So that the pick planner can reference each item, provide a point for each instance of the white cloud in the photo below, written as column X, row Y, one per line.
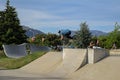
column 2, row 7
column 37, row 19
column 101, row 23
column 66, row 14
column 31, row 15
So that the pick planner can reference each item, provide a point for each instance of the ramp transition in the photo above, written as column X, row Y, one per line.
column 58, row 64
column 73, row 59
column 44, row 64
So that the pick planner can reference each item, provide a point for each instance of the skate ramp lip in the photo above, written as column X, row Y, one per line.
column 15, row 51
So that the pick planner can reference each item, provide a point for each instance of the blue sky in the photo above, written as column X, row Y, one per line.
column 52, row 15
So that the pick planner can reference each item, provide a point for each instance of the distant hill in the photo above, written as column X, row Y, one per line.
column 93, row 32
column 31, row 32
column 98, row 33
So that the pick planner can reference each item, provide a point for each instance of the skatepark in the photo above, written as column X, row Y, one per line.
column 70, row 64
column 59, row 40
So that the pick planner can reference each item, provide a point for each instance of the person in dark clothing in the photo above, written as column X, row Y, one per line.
column 65, row 33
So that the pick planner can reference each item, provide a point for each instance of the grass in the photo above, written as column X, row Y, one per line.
column 2, row 54
column 10, row 63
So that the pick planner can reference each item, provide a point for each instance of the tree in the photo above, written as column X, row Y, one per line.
column 10, row 30
column 114, row 37
column 47, row 40
column 103, row 40
column 117, row 27
column 1, row 27
column 38, row 39
column 83, row 36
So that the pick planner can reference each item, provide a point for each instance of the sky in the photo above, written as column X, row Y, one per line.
column 53, row 15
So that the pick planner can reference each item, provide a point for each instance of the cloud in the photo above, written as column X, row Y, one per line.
column 39, row 19
column 2, row 6
column 56, row 14
column 29, row 14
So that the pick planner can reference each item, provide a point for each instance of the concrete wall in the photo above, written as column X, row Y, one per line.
column 115, row 52
column 95, row 55
column 78, row 56
column 92, row 55
column 15, row 51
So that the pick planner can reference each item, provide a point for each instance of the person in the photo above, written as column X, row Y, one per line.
column 65, row 33
column 114, row 46
column 91, row 44
column 33, row 39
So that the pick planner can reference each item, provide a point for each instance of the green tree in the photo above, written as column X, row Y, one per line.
column 47, row 40
column 83, row 36
column 38, row 39
column 102, row 41
column 52, row 40
column 10, row 30
column 114, row 37
column 1, row 27
column 111, row 38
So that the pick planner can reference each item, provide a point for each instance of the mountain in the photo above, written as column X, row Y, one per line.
column 31, row 32
column 93, row 32
column 97, row 33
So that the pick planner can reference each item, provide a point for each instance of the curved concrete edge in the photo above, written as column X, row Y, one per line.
column 76, row 56
column 72, row 60
column 15, row 51
column 85, row 60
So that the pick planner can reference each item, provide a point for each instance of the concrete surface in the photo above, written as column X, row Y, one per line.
column 73, row 59
column 15, row 51
column 97, row 54
column 107, row 69
column 115, row 52
column 21, row 75
column 44, row 64
column 52, row 67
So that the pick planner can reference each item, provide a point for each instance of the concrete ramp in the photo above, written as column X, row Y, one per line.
column 106, row 69
column 44, row 64
column 73, row 59
column 15, row 51
column 58, row 64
